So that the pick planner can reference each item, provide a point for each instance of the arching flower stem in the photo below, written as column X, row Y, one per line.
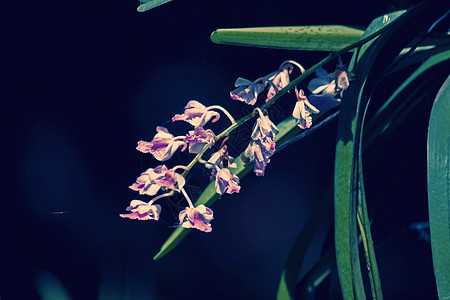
column 180, row 167
column 180, row 137
column 161, row 196
column 257, row 109
column 294, row 63
column 224, row 111
column 187, row 198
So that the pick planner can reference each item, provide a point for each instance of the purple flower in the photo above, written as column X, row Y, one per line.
column 217, row 159
column 226, row 181
column 198, row 138
column 326, row 93
column 262, row 145
column 303, row 110
column 196, row 114
column 260, row 150
column 279, row 80
column 163, row 145
column 198, row 218
column 342, row 81
column 152, row 180
column 141, row 210
column 264, row 128
column 248, row 91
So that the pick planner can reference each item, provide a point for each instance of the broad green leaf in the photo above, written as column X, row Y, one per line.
column 439, row 188
column 147, row 5
column 316, row 38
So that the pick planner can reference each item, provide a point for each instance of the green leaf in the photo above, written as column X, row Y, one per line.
column 346, row 243
column 147, row 5
column 316, row 38
column 439, row 188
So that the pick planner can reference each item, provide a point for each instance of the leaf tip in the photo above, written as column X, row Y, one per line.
column 214, row 37
column 158, row 256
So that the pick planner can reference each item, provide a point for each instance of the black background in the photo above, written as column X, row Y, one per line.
column 86, row 80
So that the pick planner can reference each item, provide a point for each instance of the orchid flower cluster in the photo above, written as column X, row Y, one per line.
column 326, row 91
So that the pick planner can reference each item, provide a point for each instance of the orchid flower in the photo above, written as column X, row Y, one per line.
column 226, row 181
column 248, row 91
column 262, row 145
column 260, row 150
column 152, row 180
column 303, row 109
column 163, row 145
column 217, row 159
column 279, row 80
column 198, row 218
column 196, row 114
column 263, row 127
column 326, row 94
column 198, row 138
column 141, row 210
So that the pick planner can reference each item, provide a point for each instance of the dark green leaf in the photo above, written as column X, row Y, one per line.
column 349, row 184
column 439, row 188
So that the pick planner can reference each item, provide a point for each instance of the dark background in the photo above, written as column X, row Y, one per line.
column 86, row 80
